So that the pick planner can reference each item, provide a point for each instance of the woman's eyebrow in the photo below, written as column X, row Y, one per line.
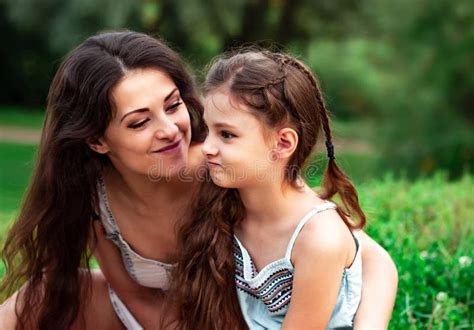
column 170, row 94
column 134, row 111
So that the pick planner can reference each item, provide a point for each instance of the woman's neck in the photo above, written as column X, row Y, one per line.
column 146, row 194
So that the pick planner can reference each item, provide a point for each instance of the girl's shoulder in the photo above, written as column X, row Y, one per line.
column 325, row 233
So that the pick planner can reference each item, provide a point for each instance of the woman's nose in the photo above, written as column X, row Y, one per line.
column 166, row 130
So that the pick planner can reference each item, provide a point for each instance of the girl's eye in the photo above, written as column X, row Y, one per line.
column 227, row 134
column 174, row 106
column 139, row 124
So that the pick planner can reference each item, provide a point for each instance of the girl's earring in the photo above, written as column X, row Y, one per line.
column 273, row 155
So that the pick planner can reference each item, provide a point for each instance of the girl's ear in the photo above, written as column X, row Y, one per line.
column 98, row 145
column 287, row 141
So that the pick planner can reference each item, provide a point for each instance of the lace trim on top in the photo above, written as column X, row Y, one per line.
column 145, row 271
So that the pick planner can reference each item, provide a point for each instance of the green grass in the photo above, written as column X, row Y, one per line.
column 21, row 117
column 16, row 163
column 428, row 228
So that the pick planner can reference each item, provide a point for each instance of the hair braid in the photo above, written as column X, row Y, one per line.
column 334, row 180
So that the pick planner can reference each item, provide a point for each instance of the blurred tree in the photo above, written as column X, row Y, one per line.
column 63, row 24
column 38, row 41
column 24, row 70
column 428, row 121
column 408, row 67
column 405, row 64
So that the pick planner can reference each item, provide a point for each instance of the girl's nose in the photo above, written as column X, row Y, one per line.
column 208, row 148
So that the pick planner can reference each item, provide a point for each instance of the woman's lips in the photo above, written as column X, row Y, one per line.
column 170, row 148
column 213, row 165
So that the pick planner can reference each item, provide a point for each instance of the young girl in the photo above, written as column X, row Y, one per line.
column 297, row 259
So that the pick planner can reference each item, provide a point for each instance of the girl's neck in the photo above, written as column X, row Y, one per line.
column 271, row 200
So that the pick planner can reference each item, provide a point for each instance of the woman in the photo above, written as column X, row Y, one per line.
column 120, row 142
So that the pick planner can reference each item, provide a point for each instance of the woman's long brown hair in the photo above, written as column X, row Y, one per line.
column 47, row 244
column 278, row 89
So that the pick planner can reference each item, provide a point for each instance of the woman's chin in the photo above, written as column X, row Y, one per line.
column 167, row 171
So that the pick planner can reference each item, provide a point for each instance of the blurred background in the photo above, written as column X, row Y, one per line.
column 397, row 76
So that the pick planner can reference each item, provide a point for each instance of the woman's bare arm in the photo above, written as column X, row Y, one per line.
column 8, row 318
column 96, row 309
column 379, row 286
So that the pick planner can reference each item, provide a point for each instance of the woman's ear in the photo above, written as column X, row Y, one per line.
column 287, row 141
column 98, row 145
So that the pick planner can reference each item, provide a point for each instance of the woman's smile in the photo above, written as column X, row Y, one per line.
column 170, row 149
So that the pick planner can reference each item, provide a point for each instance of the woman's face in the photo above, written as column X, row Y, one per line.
column 238, row 155
column 150, row 132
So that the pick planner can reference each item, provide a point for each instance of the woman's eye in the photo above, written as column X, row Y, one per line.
column 227, row 134
column 174, row 106
column 139, row 124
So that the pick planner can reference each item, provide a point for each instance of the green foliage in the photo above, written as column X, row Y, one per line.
column 354, row 75
column 69, row 22
column 416, row 130
column 2, row 271
column 428, row 228
column 37, row 42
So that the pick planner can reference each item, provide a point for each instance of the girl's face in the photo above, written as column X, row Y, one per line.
column 238, row 155
column 151, row 130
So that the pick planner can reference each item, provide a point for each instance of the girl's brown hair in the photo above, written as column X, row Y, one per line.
column 47, row 244
column 203, row 282
column 278, row 89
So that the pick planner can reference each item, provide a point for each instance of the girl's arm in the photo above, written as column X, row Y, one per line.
column 319, row 257
column 144, row 303
column 379, row 286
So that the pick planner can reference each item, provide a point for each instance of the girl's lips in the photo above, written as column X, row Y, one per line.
column 170, row 148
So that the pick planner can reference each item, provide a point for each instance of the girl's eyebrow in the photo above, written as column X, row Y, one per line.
column 224, row 125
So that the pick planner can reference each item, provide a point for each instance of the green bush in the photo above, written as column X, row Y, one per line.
column 419, row 126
